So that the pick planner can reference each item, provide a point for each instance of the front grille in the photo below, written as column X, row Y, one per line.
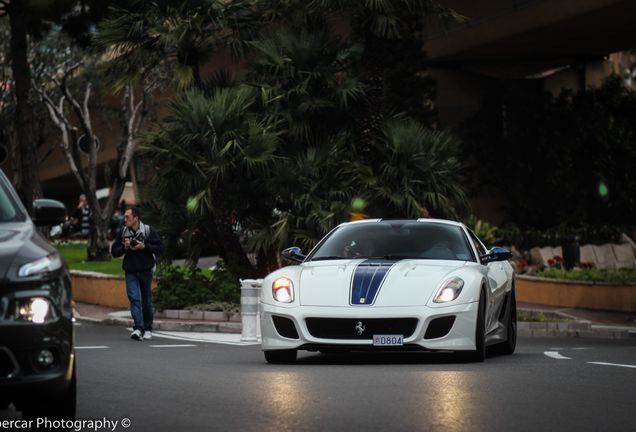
column 359, row 328
column 285, row 327
column 439, row 327
column 8, row 366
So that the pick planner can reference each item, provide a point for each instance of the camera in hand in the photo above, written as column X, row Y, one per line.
column 133, row 242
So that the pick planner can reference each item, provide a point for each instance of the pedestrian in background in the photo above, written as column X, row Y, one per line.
column 140, row 244
column 81, row 219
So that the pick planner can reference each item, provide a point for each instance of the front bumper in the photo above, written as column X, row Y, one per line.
column 460, row 337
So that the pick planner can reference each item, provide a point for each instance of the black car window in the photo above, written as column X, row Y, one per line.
column 481, row 250
column 9, row 210
column 395, row 240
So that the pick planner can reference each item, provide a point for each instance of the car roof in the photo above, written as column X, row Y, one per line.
column 421, row 220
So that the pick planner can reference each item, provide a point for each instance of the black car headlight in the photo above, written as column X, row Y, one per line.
column 38, row 310
column 42, row 265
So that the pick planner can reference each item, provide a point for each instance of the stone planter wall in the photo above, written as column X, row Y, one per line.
column 576, row 294
column 100, row 289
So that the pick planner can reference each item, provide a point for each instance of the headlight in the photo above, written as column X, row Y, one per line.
column 449, row 290
column 37, row 310
column 48, row 263
column 283, row 290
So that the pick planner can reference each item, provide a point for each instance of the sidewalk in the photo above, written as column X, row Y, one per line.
column 574, row 322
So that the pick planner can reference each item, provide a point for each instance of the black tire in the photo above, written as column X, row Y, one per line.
column 4, row 403
column 508, row 347
column 281, row 356
column 479, row 355
column 62, row 408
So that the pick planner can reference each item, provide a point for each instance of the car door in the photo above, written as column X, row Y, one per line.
column 497, row 281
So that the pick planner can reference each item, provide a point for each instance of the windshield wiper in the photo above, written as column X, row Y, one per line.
column 394, row 257
column 331, row 257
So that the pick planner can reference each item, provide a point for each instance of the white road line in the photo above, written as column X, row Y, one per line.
column 556, row 355
column 173, row 346
column 92, row 347
column 614, row 364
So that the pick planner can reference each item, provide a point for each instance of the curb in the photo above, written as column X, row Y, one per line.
column 576, row 329
column 200, row 327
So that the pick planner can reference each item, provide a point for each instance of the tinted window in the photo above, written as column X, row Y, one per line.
column 481, row 250
column 396, row 240
column 9, row 211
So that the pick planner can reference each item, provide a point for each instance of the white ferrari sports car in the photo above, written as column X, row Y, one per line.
column 424, row 284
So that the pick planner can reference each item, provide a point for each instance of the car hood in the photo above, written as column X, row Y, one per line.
column 20, row 243
column 376, row 283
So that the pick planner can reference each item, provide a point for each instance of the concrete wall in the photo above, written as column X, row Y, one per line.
column 573, row 294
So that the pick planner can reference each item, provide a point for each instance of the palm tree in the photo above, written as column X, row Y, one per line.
column 419, row 169
column 211, row 144
column 181, row 36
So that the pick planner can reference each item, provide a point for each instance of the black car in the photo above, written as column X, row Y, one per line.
column 37, row 357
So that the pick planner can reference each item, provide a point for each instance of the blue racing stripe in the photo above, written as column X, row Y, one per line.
column 367, row 280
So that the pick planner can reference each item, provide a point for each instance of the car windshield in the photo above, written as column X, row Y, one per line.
column 9, row 210
column 395, row 240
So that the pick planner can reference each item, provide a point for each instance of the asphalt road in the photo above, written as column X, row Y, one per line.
column 170, row 385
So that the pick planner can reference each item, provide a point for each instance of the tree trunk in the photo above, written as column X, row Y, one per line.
column 232, row 251
column 98, row 245
column 29, row 187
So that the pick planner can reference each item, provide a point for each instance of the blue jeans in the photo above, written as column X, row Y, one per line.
column 139, row 289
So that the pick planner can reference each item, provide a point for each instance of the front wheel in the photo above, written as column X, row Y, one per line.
column 61, row 408
column 280, row 356
column 479, row 355
column 4, row 403
column 508, row 347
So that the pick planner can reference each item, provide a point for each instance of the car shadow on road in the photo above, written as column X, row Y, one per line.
column 388, row 357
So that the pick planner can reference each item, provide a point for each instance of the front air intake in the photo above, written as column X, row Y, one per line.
column 285, row 327
column 439, row 327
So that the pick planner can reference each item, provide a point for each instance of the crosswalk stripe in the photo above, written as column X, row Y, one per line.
column 614, row 364
column 556, row 355
column 173, row 346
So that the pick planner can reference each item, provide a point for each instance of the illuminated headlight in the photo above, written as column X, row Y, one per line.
column 283, row 290
column 449, row 290
column 37, row 310
column 43, row 265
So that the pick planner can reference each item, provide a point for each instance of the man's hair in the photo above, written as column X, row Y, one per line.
column 136, row 211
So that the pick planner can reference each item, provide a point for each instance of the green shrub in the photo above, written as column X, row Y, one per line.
column 228, row 308
column 624, row 276
column 226, row 284
column 585, row 233
column 181, row 287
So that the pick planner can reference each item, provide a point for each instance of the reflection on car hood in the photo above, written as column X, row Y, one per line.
column 372, row 282
column 19, row 243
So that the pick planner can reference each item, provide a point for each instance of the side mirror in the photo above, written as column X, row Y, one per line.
column 496, row 254
column 294, row 253
column 47, row 212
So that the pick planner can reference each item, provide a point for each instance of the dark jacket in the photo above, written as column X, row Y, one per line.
column 136, row 261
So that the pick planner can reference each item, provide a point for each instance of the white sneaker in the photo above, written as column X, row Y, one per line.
column 136, row 335
column 147, row 335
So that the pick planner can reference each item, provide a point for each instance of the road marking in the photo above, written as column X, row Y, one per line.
column 173, row 346
column 92, row 347
column 614, row 364
column 582, row 348
column 556, row 355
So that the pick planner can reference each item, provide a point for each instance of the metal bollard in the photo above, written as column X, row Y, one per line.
column 250, row 294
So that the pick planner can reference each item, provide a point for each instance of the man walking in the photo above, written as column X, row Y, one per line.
column 140, row 245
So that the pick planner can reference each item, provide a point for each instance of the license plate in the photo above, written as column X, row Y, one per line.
column 388, row 340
